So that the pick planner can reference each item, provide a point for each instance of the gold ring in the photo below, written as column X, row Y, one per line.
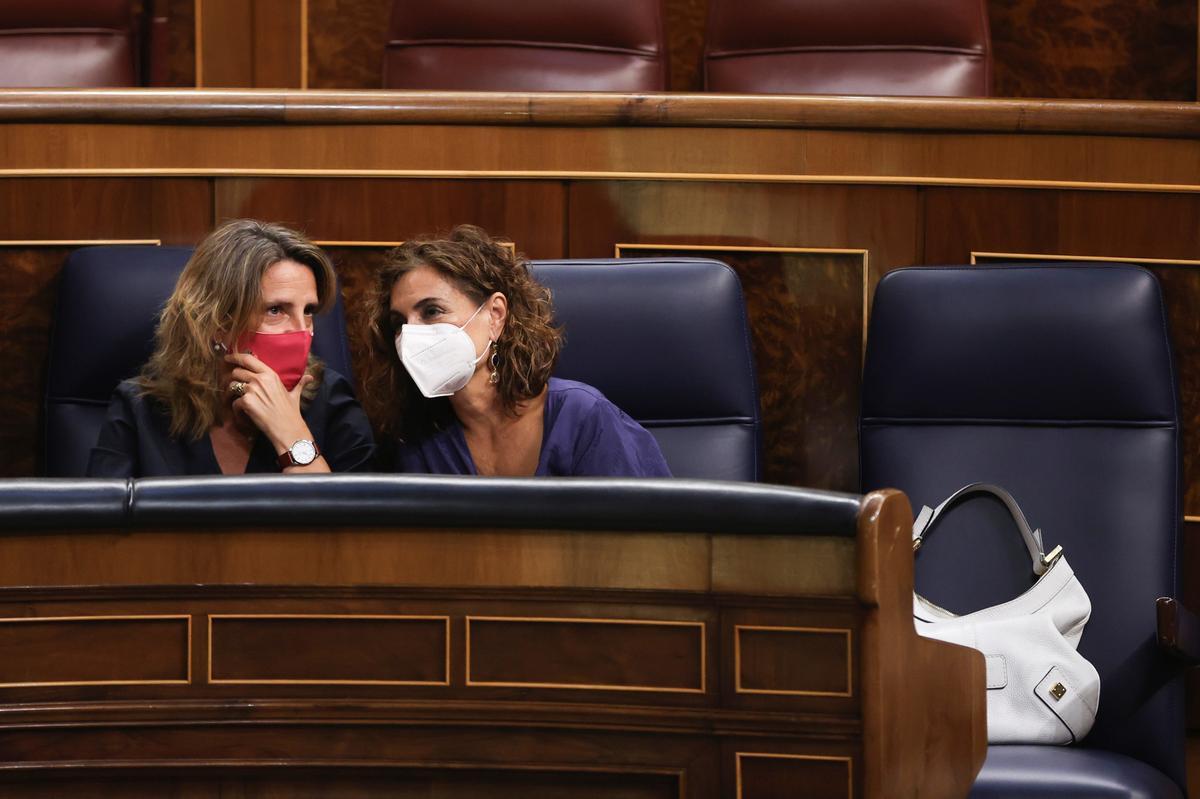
column 238, row 388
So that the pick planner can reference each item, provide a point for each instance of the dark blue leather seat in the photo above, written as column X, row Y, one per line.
column 667, row 340
column 108, row 300
column 1056, row 382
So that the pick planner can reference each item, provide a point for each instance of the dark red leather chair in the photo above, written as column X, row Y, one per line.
column 914, row 47
column 67, row 43
column 531, row 45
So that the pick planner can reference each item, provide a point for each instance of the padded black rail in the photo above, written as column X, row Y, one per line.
column 428, row 501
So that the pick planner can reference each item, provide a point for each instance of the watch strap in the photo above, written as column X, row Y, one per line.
column 286, row 459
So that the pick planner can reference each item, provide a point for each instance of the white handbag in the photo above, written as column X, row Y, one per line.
column 1040, row 690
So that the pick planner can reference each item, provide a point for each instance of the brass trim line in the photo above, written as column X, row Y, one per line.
column 198, row 41
column 357, row 243
column 737, row 660
column 303, row 45
column 76, row 242
column 849, row 761
column 866, row 264
column 1038, row 256
column 292, row 616
column 590, row 687
column 511, row 246
column 714, row 177
column 67, row 683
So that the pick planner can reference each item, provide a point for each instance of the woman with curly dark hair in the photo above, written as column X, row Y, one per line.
column 464, row 344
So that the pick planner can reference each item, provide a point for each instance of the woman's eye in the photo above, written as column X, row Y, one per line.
column 274, row 310
column 431, row 311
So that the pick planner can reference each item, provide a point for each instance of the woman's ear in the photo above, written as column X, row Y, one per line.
column 497, row 314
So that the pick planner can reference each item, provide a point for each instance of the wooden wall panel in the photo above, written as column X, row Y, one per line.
column 806, row 319
column 1113, row 49
column 38, row 213
column 94, row 650
column 181, row 43
column 345, row 43
column 776, row 776
column 685, row 22
column 806, row 308
column 299, row 649
column 592, row 654
column 529, row 212
column 251, row 43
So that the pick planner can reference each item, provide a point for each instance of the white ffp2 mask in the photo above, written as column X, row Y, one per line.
column 440, row 358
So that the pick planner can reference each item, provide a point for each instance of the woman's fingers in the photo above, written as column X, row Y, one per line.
column 247, row 360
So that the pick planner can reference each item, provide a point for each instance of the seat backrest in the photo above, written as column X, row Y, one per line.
column 67, row 43
column 666, row 340
column 1056, row 382
column 880, row 47
column 533, row 45
column 108, row 303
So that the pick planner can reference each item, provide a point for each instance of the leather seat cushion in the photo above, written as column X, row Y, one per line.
column 1033, row 772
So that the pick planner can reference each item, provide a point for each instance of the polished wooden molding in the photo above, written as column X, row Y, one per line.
column 1094, row 117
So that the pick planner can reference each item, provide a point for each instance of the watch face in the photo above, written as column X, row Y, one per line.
column 304, row 452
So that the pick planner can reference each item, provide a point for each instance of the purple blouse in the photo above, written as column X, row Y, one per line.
column 583, row 434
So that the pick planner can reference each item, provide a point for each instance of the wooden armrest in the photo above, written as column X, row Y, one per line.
column 1178, row 630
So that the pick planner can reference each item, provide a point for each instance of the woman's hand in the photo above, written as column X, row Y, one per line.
column 272, row 408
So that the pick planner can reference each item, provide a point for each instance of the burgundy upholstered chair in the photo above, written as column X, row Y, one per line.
column 881, row 47
column 67, row 43
column 531, row 45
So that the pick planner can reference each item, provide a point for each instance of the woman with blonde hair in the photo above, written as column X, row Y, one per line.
column 231, row 387
column 464, row 344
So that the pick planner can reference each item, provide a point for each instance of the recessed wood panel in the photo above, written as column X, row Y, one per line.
column 598, row 654
column 798, row 661
column 391, row 650
column 346, row 42
column 175, row 210
column 180, row 69
column 787, row 776
column 806, row 318
column 529, row 212
column 1131, row 49
column 94, row 650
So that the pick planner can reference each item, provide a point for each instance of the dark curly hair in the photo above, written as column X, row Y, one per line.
column 478, row 266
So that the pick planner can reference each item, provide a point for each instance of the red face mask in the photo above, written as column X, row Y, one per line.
column 286, row 353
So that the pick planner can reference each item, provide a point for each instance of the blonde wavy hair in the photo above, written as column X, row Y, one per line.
column 219, row 296
column 478, row 266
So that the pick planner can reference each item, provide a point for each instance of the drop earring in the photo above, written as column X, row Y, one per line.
column 494, row 377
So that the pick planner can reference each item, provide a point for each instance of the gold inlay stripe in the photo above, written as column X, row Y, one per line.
column 567, row 174
column 849, row 761
column 737, row 659
column 445, row 681
column 65, row 683
column 1037, row 256
column 510, row 246
column 76, row 242
column 589, row 687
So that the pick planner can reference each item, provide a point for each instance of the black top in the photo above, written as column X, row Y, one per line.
column 135, row 441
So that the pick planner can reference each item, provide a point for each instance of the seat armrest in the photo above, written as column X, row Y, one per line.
column 1178, row 630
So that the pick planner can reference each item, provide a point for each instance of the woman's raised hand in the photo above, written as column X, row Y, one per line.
column 261, row 396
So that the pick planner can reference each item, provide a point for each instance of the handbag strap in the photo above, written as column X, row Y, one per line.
column 1033, row 538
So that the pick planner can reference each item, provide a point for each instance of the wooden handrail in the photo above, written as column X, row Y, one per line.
column 1086, row 117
